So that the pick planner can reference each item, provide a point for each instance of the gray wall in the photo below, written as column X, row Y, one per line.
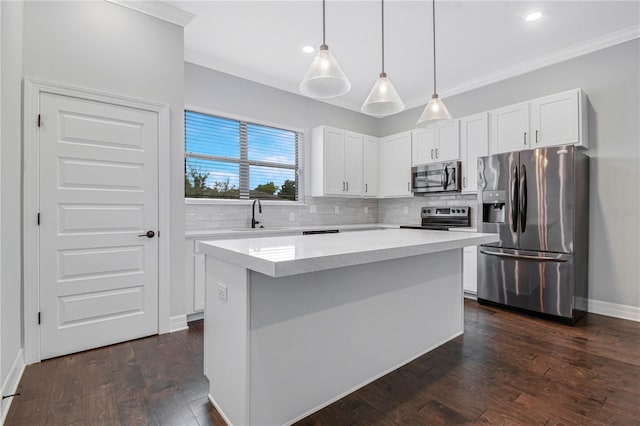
column 215, row 91
column 611, row 79
column 10, row 216
column 103, row 46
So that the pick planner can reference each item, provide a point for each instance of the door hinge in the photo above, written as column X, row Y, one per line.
column 38, row 218
column 38, row 120
column 39, row 317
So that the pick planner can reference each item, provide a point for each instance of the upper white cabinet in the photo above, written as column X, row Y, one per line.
column 474, row 143
column 370, row 167
column 395, row 165
column 438, row 142
column 510, row 128
column 337, row 162
column 558, row 119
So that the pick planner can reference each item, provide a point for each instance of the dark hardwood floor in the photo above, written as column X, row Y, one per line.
column 507, row 369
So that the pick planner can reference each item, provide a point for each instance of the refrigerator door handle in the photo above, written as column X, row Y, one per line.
column 523, row 198
column 514, row 200
column 526, row 257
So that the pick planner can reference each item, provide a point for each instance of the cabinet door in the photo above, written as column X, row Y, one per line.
column 474, row 143
column 423, row 146
column 370, row 167
column 395, row 161
column 334, row 182
column 470, row 269
column 448, row 140
column 555, row 120
column 509, row 128
column 353, row 163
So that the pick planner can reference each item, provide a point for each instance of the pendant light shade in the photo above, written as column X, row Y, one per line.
column 435, row 109
column 383, row 98
column 324, row 77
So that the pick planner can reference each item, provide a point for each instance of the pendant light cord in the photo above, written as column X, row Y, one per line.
column 324, row 42
column 434, row 46
column 382, row 36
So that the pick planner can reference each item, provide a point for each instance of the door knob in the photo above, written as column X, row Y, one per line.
column 149, row 234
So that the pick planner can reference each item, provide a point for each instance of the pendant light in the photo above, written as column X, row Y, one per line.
column 435, row 109
column 383, row 98
column 324, row 77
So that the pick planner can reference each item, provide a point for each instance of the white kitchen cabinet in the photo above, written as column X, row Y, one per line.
column 395, row 165
column 509, row 128
column 559, row 119
column 337, row 162
column 437, row 142
column 370, row 167
column 474, row 143
column 470, row 269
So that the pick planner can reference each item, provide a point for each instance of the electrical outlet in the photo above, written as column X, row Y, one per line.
column 313, row 208
column 336, row 209
column 222, row 292
column 292, row 217
column 366, row 210
column 406, row 209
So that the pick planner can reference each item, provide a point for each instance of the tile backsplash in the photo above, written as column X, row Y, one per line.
column 320, row 211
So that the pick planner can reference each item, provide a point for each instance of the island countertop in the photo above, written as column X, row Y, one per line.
column 292, row 255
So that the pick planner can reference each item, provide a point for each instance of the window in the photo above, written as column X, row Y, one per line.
column 238, row 160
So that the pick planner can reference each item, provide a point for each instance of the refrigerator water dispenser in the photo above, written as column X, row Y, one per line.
column 493, row 206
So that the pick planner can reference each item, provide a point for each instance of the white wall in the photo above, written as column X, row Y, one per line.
column 611, row 79
column 10, row 187
column 103, row 46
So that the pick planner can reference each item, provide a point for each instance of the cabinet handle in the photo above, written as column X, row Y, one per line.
column 524, row 139
column 432, row 153
column 536, row 136
column 343, row 186
column 464, row 182
column 366, row 188
column 347, row 186
column 437, row 153
column 408, row 186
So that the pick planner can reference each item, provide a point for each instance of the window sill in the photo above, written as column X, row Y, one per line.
column 228, row 202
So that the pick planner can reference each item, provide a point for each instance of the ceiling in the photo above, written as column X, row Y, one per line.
column 478, row 42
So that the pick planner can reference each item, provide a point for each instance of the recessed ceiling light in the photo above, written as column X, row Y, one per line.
column 308, row 49
column 534, row 16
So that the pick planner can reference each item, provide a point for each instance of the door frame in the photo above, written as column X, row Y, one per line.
column 33, row 88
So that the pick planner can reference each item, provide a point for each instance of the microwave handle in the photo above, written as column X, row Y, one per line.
column 444, row 178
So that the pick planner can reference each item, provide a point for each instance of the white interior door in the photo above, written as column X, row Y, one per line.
column 98, row 190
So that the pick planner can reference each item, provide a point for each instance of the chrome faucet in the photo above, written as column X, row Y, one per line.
column 254, row 222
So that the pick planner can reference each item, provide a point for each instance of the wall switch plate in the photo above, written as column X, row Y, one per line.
column 292, row 217
column 406, row 209
column 222, row 292
column 336, row 209
column 366, row 210
column 313, row 209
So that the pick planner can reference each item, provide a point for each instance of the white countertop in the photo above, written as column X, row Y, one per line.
column 248, row 232
column 297, row 254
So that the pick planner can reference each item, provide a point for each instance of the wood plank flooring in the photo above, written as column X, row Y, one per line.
column 506, row 369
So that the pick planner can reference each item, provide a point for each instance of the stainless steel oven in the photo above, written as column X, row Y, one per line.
column 437, row 177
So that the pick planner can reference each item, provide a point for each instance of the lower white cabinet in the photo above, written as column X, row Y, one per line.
column 470, row 269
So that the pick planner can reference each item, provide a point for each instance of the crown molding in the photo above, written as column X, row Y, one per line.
column 555, row 57
column 205, row 61
column 159, row 10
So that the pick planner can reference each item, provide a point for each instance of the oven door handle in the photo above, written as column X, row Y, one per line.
column 525, row 257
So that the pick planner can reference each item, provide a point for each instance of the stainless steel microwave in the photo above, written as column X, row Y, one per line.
column 436, row 177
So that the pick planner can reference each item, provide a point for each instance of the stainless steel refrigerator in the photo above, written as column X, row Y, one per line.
column 538, row 202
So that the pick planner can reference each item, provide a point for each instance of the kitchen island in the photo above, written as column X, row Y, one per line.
column 294, row 323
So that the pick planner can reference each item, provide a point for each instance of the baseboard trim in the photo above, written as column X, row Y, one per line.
column 178, row 323
column 470, row 295
column 217, row 407
column 11, row 384
column 615, row 310
column 195, row 316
